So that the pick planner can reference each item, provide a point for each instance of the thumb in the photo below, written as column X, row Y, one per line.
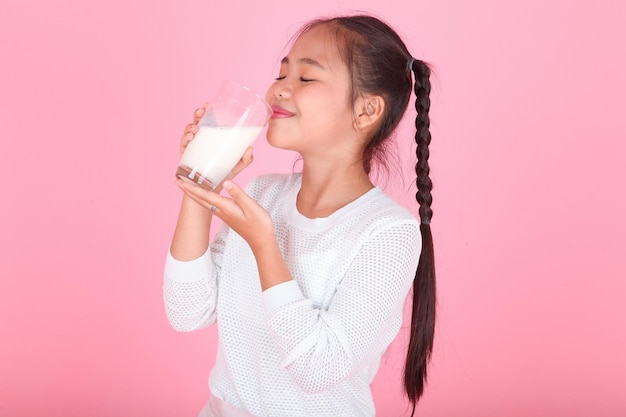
column 244, row 201
column 235, row 191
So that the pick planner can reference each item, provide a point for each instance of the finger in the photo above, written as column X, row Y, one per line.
column 188, row 135
column 191, row 128
column 197, row 200
column 247, row 156
column 224, row 206
column 198, row 194
column 238, row 195
column 245, row 160
column 186, row 138
column 184, row 141
column 199, row 112
column 188, row 193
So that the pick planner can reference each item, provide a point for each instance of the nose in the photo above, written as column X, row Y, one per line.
column 280, row 90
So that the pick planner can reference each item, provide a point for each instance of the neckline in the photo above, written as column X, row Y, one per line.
column 322, row 222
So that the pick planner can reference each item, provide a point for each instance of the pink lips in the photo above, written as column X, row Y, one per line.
column 279, row 113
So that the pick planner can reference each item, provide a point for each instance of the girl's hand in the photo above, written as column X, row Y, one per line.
column 240, row 212
column 191, row 130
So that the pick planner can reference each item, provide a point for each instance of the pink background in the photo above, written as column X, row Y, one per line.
column 528, row 159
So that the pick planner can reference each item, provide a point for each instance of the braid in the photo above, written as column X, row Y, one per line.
column 424, row 287
column 422, row 138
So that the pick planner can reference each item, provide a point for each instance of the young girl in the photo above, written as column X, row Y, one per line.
column 308, row 276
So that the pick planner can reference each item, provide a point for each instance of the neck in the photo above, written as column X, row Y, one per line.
column 328, row 186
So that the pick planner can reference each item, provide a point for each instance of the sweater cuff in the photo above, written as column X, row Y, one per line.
column 280, row 295
column 188, row 271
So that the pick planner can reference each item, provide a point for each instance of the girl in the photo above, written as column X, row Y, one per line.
column 307, row 277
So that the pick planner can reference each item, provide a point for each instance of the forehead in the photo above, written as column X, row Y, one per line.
column 318, row 43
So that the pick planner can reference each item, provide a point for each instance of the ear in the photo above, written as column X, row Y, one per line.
column 368, row 110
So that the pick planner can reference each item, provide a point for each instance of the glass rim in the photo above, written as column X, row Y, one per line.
column 249, row 90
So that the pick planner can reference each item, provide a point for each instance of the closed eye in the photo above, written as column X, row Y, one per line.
column 304, row 80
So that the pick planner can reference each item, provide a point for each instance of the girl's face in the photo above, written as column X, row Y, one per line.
column 311, row 98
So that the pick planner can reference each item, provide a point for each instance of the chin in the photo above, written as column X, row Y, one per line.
column 279, row 140
column 279, row 144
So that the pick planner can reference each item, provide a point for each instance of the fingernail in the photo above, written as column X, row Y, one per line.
column 228, row 185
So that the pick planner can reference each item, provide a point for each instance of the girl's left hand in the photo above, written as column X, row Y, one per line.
column 240, row 212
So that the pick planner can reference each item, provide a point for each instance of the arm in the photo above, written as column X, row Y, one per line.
column 193, row 228
column 190, row 287
column 190, row 282
column 321, row 348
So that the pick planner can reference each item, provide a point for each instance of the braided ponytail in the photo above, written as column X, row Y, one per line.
column 424, row 288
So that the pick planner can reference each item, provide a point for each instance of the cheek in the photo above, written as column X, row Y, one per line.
column 334, row 111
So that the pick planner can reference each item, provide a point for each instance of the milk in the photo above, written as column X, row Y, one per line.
column 214, row 151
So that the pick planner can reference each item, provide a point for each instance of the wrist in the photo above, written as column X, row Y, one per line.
column 271, row 264
column 264, row 247
column 191, row 207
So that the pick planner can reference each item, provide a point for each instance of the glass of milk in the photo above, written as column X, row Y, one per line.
column 231, row 123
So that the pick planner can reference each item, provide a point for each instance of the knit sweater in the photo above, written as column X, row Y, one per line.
column 310, row 346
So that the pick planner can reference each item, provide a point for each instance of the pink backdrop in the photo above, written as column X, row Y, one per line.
column 528, row 159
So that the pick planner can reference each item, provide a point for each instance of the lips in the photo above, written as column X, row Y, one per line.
column 280, row 113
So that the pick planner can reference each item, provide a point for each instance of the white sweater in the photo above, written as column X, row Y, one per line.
column 311, row 346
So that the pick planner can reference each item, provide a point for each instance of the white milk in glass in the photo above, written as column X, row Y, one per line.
column 214, row 151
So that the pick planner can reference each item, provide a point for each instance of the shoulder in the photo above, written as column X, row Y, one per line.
column 376, row 217
column 382, row 210
column 385, row 220
column 391, row 230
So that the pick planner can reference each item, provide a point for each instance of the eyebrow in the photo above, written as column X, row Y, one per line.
column 307, row 61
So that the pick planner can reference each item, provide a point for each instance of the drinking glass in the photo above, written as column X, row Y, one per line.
column 231, row 123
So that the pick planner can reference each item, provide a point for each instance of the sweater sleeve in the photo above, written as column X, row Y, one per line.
column 190, row 288
column 322, row 347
